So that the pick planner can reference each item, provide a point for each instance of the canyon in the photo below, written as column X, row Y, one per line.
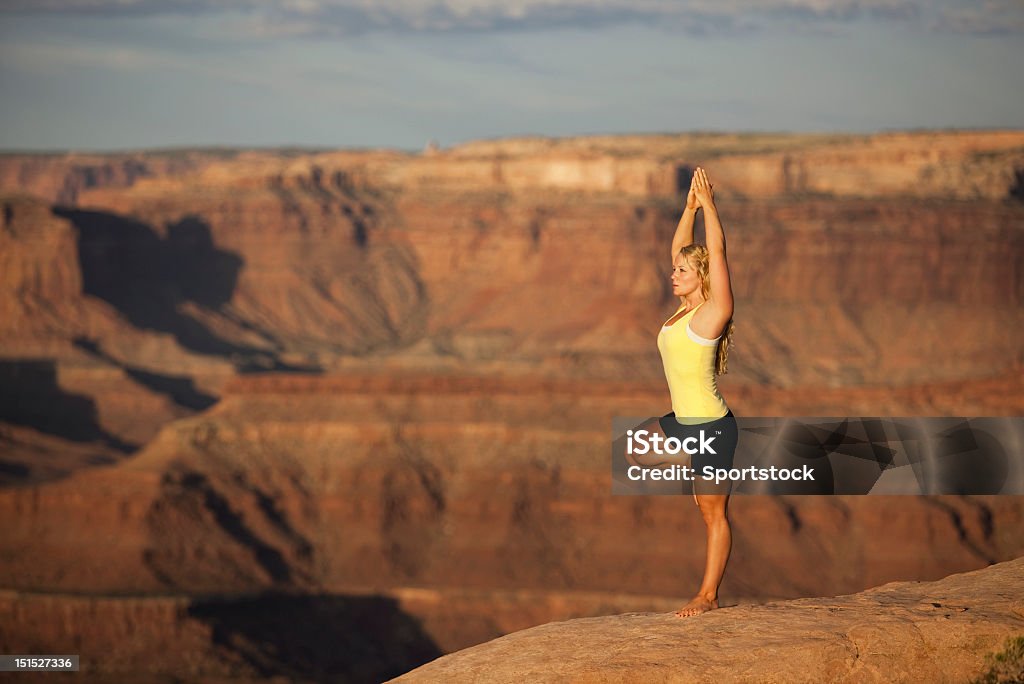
column 380, row 383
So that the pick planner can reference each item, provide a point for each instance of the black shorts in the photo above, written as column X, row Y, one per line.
column 721, row 434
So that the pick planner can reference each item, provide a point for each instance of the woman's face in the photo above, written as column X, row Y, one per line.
column 684, row 277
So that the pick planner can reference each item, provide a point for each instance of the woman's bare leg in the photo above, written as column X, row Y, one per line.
column 714, row 509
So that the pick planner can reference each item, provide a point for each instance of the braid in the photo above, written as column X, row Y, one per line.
column 722, row 360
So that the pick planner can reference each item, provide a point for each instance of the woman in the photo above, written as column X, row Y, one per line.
column 694, row 345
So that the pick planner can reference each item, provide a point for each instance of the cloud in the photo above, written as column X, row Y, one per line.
column 327, row 18
column 110, row 7
column 991, row 17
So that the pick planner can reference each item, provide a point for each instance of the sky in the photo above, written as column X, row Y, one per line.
column 131, row 74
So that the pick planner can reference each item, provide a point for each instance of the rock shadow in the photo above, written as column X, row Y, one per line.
column 241, row 517
column 148, row 278
column 178, row 388
column 30, row 396
column 1017, row 188
column 319, row 637
column 684, row 174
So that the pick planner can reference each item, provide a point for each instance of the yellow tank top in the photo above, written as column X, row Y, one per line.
column 689, row 361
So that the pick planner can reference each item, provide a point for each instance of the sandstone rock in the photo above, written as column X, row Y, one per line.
column 438, row 482
column 901, row 632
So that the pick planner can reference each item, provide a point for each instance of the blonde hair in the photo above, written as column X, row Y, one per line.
column 697, row 256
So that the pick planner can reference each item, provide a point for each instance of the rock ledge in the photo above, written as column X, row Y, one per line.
column 904, row 631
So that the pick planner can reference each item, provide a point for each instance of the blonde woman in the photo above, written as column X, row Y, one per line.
column 694, row 345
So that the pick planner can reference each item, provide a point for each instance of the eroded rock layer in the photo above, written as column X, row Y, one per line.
column 378, row 374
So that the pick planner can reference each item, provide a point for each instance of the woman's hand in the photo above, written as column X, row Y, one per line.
column 703, row 190
column 691, row 197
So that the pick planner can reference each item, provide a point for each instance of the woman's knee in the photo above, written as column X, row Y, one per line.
column 713, row 507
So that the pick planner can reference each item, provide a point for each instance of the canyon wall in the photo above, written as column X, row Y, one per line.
column 390, row 375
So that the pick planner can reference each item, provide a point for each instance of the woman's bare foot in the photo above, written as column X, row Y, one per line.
column 697, row 605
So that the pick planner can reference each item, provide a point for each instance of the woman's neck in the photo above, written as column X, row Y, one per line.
column 689, row 305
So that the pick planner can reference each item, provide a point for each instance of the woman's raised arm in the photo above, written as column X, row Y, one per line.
column 684, row 231
column 718, row 266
